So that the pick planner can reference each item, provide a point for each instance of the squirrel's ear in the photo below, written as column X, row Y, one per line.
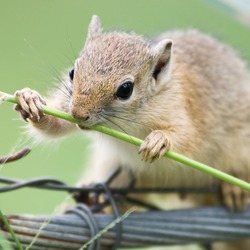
column 95, row 27
column 162, row 52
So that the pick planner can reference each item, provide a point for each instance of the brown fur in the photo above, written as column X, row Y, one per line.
column 199, row 105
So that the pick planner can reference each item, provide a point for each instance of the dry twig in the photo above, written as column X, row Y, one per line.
column 15, row 156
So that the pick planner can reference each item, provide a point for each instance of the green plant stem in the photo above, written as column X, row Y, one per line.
column 119, row 135
column 6, row 223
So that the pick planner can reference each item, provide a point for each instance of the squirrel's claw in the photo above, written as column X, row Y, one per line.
column 155, row 146
column 22, row 112
column 235, row 198
column 30, row 104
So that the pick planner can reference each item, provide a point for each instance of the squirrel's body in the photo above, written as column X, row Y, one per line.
column 206, row 103
column 192, row 97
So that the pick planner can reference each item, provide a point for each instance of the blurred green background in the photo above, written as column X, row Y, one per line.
column 40, row 38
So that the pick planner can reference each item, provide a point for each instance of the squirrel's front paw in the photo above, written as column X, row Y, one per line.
column 156, row 144
column 235, row 198
column 30, row 104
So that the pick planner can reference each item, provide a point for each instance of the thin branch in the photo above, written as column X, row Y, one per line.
column 15, row 156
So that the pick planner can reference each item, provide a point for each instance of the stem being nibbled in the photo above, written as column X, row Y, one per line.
column 136, row 141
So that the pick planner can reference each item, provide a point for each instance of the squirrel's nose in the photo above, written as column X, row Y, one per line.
column 85, row 117
column 79, row 115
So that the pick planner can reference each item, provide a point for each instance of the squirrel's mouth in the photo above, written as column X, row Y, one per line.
column 82, row 127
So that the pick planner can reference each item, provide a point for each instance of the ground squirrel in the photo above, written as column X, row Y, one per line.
column 183, row 91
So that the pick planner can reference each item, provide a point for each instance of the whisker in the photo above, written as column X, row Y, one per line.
column 114, row 110
column 129, row 120
column 71, row 62
column 61, row 83
column 118, row 126
column 56, row 73
column 67, row 89
column 71, row 46
column 64, row 86
column 124, row 131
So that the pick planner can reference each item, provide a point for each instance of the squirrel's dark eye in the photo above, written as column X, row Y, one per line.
column 125, row 90
column 71, row 73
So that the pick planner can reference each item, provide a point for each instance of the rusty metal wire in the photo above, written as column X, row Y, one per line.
column 54, row 184
column 82, row 193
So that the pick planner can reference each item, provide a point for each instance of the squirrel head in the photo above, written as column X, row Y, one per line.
column 115, row 73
